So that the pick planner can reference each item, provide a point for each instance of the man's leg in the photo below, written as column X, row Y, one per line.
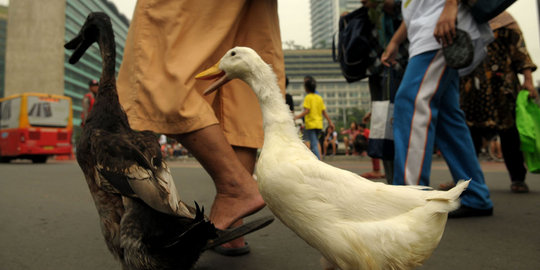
column 415, row 119
column 237, row 194
column 314, row 142
column 455, row 142
column 248, row 157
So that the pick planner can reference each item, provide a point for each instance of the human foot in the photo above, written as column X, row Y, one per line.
column 235, row 202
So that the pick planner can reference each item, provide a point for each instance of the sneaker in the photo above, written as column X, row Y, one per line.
column 465, row 211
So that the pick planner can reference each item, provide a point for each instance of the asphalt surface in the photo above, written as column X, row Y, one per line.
column 48, row 221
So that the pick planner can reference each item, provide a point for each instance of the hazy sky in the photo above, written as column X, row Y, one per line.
column 295, row 22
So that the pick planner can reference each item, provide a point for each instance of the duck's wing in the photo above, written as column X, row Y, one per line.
column 343, row 193
column 131, row 164
column 375, row 200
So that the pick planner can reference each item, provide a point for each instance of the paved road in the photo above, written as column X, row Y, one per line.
column 48, row 221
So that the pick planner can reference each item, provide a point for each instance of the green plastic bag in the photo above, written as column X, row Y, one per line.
column 528, row 125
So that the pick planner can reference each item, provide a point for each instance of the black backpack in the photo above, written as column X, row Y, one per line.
column 357, row 48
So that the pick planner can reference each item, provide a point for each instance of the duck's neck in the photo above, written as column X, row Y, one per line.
column 107, row 97
column 107, row 48
column 276, row 114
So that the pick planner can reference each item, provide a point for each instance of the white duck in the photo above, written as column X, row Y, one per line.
column 355, row 223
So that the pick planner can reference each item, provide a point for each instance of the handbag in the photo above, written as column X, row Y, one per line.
column 485, row 10
column 460, row 53
column 528, row 125
column 356, row 50
column 381, row 134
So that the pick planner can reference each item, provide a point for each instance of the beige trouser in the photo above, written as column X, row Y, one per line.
column 170, row 41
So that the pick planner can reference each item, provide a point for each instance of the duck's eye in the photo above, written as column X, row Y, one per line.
column 233, row 53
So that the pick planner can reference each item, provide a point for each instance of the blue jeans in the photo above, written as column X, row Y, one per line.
column 313, row 138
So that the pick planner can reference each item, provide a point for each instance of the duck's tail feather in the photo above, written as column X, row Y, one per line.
column 449, row 198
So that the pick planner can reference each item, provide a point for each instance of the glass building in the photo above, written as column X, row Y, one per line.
column 76, row 77
column 324, row 19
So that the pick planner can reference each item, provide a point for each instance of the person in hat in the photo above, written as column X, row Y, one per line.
column 88, row 100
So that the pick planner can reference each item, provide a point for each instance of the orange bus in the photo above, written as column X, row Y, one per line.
column 35, row 126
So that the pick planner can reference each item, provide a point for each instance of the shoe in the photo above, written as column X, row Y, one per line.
column 519, row 187
column 233, row 251
column 465, row 211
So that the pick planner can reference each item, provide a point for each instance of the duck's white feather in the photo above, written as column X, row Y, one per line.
column 355, row 223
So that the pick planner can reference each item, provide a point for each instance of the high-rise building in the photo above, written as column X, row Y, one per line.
column 324, row 19
column 36, row 60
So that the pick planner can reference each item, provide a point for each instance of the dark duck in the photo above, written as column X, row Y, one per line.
column 144, row 223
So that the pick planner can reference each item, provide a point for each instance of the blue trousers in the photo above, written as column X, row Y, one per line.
column 427, row 112
column 313, row 138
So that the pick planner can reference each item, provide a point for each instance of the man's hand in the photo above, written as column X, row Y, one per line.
column 388, row 58
column 445, row 30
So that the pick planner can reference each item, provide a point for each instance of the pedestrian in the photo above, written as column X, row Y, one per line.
column 488, row 95
column 427, row 102
column 88, row 100
column 383, row 81
column 314, row 110
column 168, row 43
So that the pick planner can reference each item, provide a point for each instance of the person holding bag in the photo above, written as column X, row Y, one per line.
column 426, row 107
column 488, row 95
column 385, row 16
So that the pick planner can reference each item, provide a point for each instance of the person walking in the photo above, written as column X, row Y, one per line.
column 168, row 43
column 314, row 110
column 488, row 95
column 427, row 102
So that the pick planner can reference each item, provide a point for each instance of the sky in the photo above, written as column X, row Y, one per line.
column 295, row 23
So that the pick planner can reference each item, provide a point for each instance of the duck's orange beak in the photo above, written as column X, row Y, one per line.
column 213, row 73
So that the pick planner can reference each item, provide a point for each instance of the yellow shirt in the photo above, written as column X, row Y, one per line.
column 315, row 104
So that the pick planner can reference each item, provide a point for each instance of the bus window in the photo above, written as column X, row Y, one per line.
column 48, row 112
column 10, row 113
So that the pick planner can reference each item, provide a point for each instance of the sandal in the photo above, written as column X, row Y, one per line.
column 227, row 235
column 519, row 187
